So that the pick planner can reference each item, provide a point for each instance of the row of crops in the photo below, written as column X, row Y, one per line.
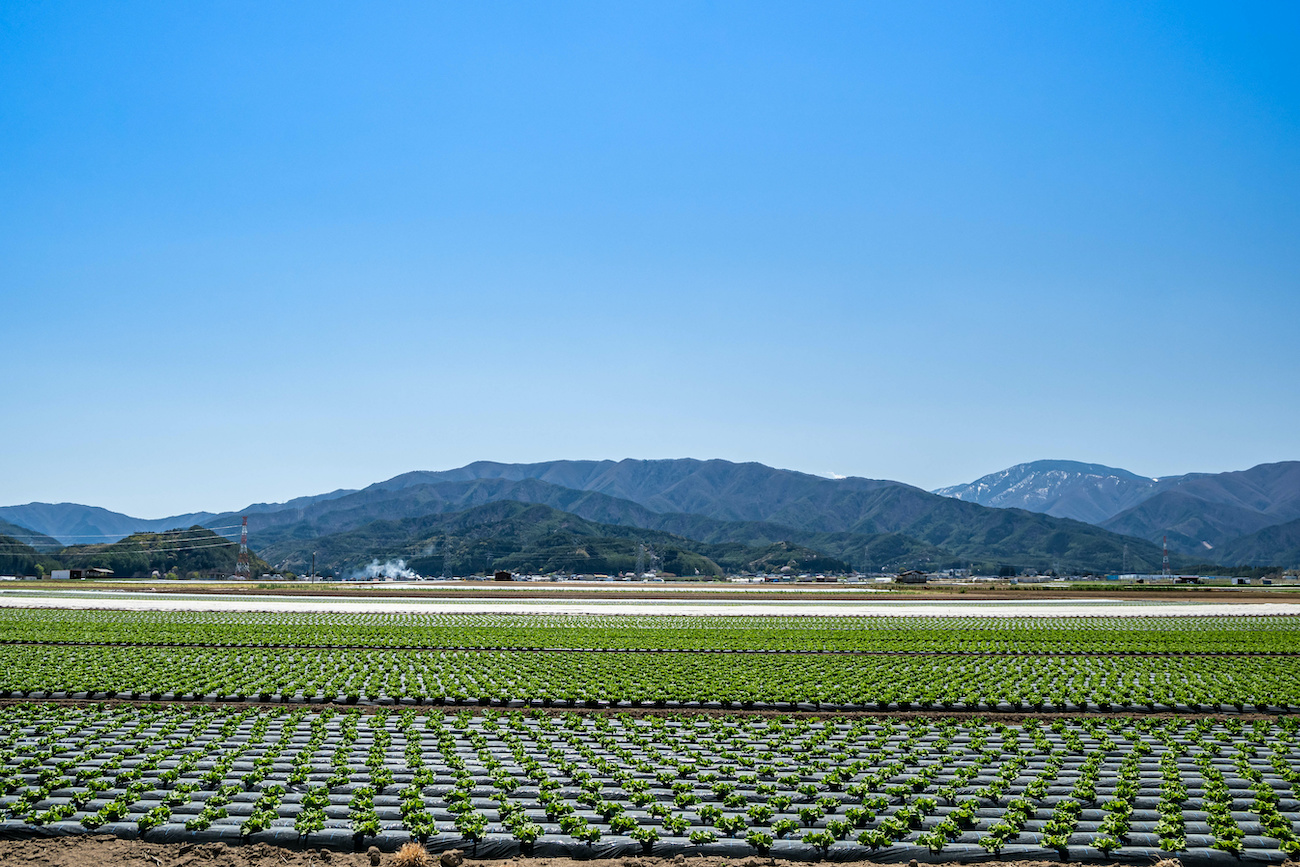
column 509, row 782
column 1181, row 683
column 1227, row 634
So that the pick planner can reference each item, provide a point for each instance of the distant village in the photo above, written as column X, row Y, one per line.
column 787, row 576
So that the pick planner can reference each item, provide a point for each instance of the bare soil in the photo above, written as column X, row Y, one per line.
column 106, row 851
column 1007, row 717
column 664, row 651
column 819, row 592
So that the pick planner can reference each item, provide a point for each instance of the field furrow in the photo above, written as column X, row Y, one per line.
column 510, row 782
column 690, row 680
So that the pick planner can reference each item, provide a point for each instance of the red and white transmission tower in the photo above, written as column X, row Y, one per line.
column 1166, row 560
column 242, row 567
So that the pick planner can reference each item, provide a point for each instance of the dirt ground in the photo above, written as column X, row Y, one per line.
column 819, row 592
column 1007, row 717
column 105, row 851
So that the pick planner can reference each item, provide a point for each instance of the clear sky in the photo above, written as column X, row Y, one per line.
column 250, row 251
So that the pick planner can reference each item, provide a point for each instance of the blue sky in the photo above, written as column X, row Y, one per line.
column 254, row 251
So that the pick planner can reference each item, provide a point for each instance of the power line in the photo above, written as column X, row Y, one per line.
column 118, row 551
column 117, row 536
column 102, row 552
column 177, row 536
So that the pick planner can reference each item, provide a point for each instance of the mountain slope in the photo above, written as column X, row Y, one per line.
column 379, row 503
column 72, row 523
column 716, row 489
column 1200, row 513
column 727, row 491
column 38, row 541
column 524, row 537
column 869, row 523
column 1278, row 545
column 195, row 549
column 1272, row 490
column 856, row 519
column 1193, row 525
column 75, row 524
column 295, row 503
column 1206, row 512
column 1065, row 489
column 865, row 551
column 18, row 558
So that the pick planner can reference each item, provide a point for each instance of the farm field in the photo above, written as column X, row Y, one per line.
column 1061, row 664
column 740, row 602
column 1109, row 737
column 570, row 678
column 912, row 634
column 500, row 783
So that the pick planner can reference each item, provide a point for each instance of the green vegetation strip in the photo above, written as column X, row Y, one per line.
column 1224, row 634
column 653, row 650
column 846, row 789
column 561, row 678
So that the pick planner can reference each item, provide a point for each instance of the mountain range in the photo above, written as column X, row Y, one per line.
column 863, row 523
column 718, row 515
column 36, row 540
column 1229, row 518
column 870, row 524
column 535, row 538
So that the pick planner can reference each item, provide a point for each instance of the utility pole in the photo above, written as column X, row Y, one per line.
column 243, row 568
column 313, row 567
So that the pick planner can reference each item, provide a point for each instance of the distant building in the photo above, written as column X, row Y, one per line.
column 71, row 574
column 912, row 576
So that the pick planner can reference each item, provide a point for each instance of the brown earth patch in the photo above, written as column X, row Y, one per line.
column 828, row 592
column 107, row 851
column 1009, row 717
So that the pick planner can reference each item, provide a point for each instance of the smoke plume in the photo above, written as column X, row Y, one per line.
column 395, row 569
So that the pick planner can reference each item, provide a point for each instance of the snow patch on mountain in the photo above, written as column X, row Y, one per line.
column 1064, row 489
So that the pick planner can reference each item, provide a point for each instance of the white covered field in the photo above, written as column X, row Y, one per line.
column 793, row 604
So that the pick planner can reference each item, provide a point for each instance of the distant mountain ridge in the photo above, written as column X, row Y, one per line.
column 867, row 523
column 1190, row 523
column 1209, row 511
column 1279, row 543
column 192, row 549
column 37, row 541
column 75, row 524
column 1066, row 489
column 72, row 523
column 529, row 537
column 19, row 558
column 275, row 531
column 718, row 489
column 1200, row 513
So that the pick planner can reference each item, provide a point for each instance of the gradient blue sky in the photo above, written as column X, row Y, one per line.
column 254, row 251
